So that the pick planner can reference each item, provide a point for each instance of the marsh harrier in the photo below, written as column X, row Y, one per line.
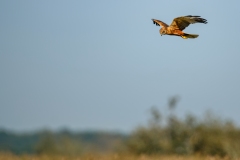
column 178, row 25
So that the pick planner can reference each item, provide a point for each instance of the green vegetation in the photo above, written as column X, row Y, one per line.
column 168, row 135
column 211, row 136
column 62, row 142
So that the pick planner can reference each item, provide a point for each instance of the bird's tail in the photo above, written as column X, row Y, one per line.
column 186, row 36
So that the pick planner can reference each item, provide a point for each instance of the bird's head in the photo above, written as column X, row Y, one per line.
column 163, row 31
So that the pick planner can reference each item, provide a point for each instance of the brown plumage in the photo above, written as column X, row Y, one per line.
column 178, row 25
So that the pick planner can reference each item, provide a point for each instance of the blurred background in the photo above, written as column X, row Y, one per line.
column 89, row 74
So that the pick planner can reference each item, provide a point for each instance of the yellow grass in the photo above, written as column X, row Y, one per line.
column 8, row 156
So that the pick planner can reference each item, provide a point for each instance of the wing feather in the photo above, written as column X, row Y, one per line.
column 183, row 22
column 159, row 23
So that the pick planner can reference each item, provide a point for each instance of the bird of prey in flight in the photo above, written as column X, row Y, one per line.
column 178, row 25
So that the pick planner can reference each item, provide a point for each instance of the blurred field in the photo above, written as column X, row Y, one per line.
column 6, row 156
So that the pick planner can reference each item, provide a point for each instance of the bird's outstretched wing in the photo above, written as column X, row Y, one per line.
column 159, row 23
column 182, row 22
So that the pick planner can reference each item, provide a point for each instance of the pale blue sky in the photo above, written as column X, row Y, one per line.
column 102, row 64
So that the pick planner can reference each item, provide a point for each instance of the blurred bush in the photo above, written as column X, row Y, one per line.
column 210, row 136
column 61, row 144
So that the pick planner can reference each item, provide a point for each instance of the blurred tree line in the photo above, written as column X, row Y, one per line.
column 63, row 142
column 166, row 134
